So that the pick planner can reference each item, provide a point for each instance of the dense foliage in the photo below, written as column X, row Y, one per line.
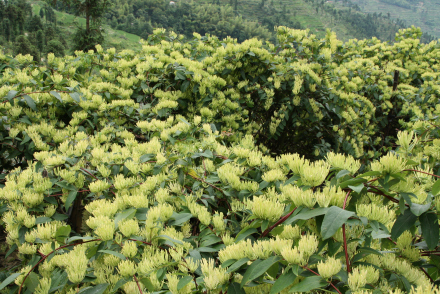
column 157, row 171
column 23, row 32
column 246, row 19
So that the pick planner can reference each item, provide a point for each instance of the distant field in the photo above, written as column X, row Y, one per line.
column 302, row 11
column 113, row 38
column 424, row 14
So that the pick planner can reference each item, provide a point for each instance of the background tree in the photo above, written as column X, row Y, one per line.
column 93, row 11
column 40, row 40
column 55, row 47
column 23, row 46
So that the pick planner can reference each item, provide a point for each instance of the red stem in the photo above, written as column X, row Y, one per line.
column 280, row 221
column 83, row 169
column 429, row 277
column 419, row 171
column 347, row 260
column 199, row 179
column 137, row 282
column 44, row 257
column 312, row 271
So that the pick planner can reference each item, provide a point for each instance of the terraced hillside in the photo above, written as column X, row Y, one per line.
column 67, row 24
column 318, row 15
column 421, row 13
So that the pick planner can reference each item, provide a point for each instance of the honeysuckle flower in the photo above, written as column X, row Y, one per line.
column 266, row 208
column 315, row 173
column 293, row 256
column 389, row 163
column 329, row 268
column 43, row 286
column 127, row 268
column 129, row 227
column 372, row 273
column 375, row 212
column 357, row 279
column 129, row 249
column 341, row 161
column 213, row 276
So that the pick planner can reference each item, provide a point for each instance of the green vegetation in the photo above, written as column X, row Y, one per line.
column 243, row 19
column 35, row 28
column 212, row 166
column 422, row 14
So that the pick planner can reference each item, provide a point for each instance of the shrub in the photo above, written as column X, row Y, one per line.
column 140, row 172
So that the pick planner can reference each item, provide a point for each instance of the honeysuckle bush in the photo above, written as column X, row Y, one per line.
column 152, row 171
column 180, row 212
column 302, row 95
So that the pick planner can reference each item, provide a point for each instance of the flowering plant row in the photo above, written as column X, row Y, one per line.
column 140, row 173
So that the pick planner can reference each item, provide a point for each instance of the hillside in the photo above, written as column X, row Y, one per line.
column 421, row 13
column 32, row 27
column 241, row 19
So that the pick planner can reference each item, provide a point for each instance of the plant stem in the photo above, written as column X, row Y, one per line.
column 44, row 257
column 280, row 221
column 331, row 284
column 347, row 260
column 137, row 282
column 419, row 171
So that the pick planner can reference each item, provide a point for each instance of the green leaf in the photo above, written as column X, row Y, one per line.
column 128, row 213
column 11, row 94
column 179, row 219
column 115, row 169
column 430, row 229
column 70, row 198
column 117, row 254
column 63, row 232
column 141, row 213
column 32, row 282
column 244, row 233
column 95, row 290
column 358, row 188
column 147, row 283
column 364, row 251
column 342, row 173
column 75, row 96
column 30, row 102
column 123, row 281
column 418, row 209
column 59, row 279
column 208, row 249
column 180, row 75
column 66, row 185
column 9, row 280
column 209, row 240
column 236, row 265
column 42, row 220
column 183, row 282
column 56, row 95
column 79, row 238
column 403, row 223
column 309, row 283
column 228, row 262
column 352, row 182
column 234, row 288
column 207, row 153
column 284, row 281
column 307, row 214
column 184, row 121
column 254, row 272
column 145, row 158
column 436, row 188
column 333, row 220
